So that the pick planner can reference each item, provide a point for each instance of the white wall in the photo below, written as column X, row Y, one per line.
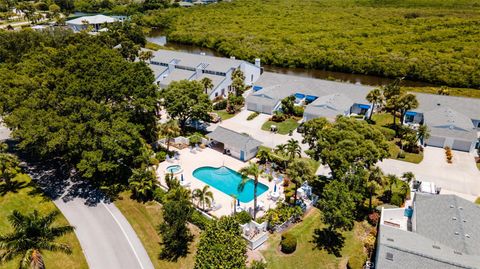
column 251, row 72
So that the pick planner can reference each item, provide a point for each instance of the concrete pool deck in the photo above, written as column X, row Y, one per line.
column 209, row 157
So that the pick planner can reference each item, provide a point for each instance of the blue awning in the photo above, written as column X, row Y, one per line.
column 364, row 106
column 410, row 113
column 311, row 98
column 257, row 88
column 299, row 95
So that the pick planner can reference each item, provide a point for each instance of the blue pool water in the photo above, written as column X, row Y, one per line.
column 227, row 180
column 174, row 168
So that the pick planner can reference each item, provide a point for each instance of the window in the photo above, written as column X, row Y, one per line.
column 251, row 78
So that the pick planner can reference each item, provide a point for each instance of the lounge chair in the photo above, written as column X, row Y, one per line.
column 197, row 148
column 215, row 206
column 168, row 158
column 177, row 156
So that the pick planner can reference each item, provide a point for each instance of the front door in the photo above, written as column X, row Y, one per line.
column 242, row 155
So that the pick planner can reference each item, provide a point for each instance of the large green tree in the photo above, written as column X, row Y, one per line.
column 337, row 206
column 81, row 102
column 185, row 100
column 32, row 235
column 222, row 246
column 176, row 236
column 345, row 145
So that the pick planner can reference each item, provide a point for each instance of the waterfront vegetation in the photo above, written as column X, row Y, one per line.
column 416, row 39
column 25, row 199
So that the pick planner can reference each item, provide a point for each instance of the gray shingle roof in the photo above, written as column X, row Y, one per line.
column 443, row 216
column 176, row 75
column 218, row 64
column 330, row 106
column 278, row 86
column 234, row 139
column 96, row 19
column 467, row 106
column 433, row 243
column 446, row 122
column 157, row 69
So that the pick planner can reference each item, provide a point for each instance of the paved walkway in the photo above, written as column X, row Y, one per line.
column 4, row 132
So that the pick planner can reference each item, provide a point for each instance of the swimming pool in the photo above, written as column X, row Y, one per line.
column 174, row 169
column 227, row 180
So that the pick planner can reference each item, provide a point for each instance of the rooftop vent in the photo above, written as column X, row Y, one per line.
column 438, row 104
column 390, row 239
column 457, row 233
column 457, row 252
column 436, row 247
column 389, row 256
column 451, row 206
column 461, row 208
column 467, row 235
column 454, row 218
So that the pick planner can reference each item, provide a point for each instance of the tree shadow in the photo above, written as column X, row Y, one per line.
column 13, row 187
column 329, row 240
column 173, row 254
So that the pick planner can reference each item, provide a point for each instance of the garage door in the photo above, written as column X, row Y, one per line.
column 462, row 145
column 436, row 141
column 252, row 106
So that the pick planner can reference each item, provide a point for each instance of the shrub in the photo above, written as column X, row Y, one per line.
column 387, row 132
column 373, row 218
column 258, row 265
column 288, row 244
column 243, row 217
column 252, row 116
column 158, row 194
column 199, row 220
column 195, row 139
column 356, row 261
column 396, row 199
column 278, row 117
column 401, row 155
column 298, row 111
column 161, row 156
column 222, row 104
column 477, row 201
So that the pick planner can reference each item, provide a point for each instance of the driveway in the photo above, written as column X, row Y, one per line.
column 4, row 132
column 239, row 123
column 461, row 177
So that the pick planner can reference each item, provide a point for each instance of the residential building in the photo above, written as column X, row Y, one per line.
column 323, row 98
column 96, row 22
column 173, row 66
column 238, row 145
column 453, row 121
column 438, row 231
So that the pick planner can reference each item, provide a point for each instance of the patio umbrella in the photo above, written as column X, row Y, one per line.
column 238, row 202
column 275, row 188
column 181, row 177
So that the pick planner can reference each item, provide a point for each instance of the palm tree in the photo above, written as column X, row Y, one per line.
column 293, row 149
column 280, row 149
column 264, row 156
column 299, row 171
column 391, row 181
column 168, row 130
column 375, row 179
column 32, row 234
column 408, row 177
column 204, row 196
column 404, row 188
column 375, row 97
column 142, row 184
column 253, row 170
column 423, row 133
column 405, row 103
column 207, row 84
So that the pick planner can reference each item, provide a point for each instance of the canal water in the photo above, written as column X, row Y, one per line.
column 158, row 38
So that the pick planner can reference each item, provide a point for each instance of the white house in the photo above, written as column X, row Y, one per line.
column 176, row 66
column 238, row 145
column 97, row 22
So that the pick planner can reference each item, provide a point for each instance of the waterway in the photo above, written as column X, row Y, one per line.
column 158, row 38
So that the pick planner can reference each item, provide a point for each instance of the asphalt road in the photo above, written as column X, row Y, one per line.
column 106, row 237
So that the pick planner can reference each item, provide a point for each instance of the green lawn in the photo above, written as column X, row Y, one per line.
column 478, row 166
column 145, row 219
column 306, row 256
column 26, row 200
column 283, row 127
column 224, row 114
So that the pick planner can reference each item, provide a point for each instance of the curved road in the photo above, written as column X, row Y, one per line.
column 106, row 237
